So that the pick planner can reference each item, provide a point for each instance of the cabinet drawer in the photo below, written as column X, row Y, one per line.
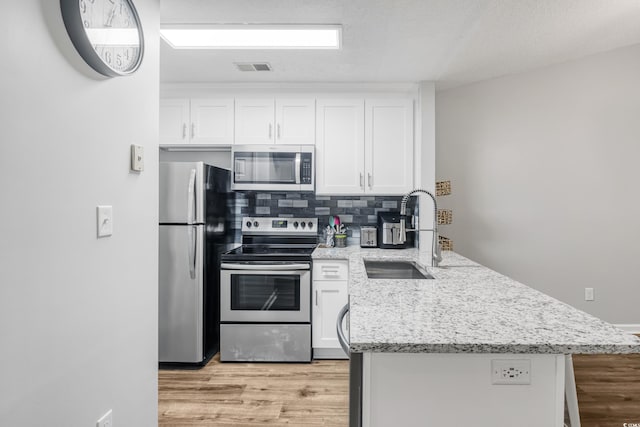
column 331, row 270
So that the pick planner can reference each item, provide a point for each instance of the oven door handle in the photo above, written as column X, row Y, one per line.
column 281, row 267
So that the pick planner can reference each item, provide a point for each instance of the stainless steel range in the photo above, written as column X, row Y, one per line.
column 265, row 292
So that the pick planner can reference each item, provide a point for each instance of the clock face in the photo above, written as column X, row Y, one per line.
column 106, row 33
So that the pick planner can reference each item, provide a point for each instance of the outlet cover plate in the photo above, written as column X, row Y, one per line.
column 589, row 294
column 511, row 371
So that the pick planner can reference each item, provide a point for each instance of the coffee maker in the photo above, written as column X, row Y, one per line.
column 389, row 232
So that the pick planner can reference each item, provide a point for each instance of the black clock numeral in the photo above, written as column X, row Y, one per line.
column 83, row 6
column 107, row 56
column 86, row 24
column 118, row 60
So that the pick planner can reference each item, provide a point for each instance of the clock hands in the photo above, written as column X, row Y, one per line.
column 112, row 14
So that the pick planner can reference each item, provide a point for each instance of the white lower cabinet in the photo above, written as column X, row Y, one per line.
column 330, row 294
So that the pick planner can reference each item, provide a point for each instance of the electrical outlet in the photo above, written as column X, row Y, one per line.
column 106, row 420
column 514, row 371
column 589, row 294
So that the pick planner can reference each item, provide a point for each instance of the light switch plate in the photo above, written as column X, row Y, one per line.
column 137, row 158
column 106, row 420
column 105, row 221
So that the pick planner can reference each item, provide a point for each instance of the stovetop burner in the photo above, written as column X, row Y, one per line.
column 275, row 239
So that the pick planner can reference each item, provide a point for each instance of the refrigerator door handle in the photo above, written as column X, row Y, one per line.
column 191, row 194
column 192, row 241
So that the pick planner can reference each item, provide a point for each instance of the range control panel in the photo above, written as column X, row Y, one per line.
column 279, row 225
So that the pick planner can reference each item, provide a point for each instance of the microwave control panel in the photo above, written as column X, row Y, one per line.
column 306, row 169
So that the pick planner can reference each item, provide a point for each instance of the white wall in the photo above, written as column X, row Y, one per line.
column 544, row 168
column 221, row 159
column 78, row 315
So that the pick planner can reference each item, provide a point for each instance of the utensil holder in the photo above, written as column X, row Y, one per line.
column 328, row 234
column 341, row 240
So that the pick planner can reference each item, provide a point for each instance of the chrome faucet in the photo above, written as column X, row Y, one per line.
column 436, row 256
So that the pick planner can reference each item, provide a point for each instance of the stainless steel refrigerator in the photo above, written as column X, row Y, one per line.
column 195, row 206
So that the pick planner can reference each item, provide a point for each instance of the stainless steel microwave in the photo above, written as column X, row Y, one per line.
column 273, row 167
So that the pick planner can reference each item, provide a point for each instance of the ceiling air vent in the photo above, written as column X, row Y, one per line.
column 258, row 66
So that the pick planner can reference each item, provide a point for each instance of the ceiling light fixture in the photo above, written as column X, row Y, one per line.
column 252, row 36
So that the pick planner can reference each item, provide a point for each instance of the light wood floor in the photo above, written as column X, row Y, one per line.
column 316, row 394
column 256, row 394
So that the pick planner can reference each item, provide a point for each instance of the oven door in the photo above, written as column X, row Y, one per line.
column 265, row 293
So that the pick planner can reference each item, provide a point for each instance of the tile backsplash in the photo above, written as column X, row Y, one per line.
column 353, row 211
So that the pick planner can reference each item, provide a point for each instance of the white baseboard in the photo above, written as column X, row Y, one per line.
column 628, row 327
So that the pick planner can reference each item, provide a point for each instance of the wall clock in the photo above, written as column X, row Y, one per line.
column 106, row 33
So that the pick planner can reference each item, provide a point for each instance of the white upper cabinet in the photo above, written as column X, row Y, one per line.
column 279, row 121
column 389, row 145
column 364, row 146
column 254, row 121
column 174, row 121
column 340, row 146
column 198, row 121
column 212, row 121
column 296, row 121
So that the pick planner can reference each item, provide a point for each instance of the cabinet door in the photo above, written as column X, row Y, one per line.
column 212, row 121
column 174, row 121
column 254, row 121
column 295, row 121
column 389, row 146
column 329, row 297
column 340, row 146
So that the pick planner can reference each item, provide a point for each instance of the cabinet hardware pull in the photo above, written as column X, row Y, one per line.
column 270, row 127
column 278, row 130
column 316, row 298
column 193, row 130
column 361, row 180
column 184, row 130
column 369, row 180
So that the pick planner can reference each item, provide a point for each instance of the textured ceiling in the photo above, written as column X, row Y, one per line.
column 452, row 42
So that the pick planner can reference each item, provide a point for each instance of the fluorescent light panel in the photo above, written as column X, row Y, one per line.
column 198, row 36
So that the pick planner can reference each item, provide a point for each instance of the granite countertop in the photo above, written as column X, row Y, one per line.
column 467, row 308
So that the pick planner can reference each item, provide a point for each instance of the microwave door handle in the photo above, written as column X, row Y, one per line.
column 298, row 162
column 276, row 267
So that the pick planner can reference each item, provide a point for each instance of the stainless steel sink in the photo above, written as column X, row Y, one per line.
column 394, row 270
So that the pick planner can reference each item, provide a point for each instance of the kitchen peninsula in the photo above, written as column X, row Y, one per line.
column 434, row 351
